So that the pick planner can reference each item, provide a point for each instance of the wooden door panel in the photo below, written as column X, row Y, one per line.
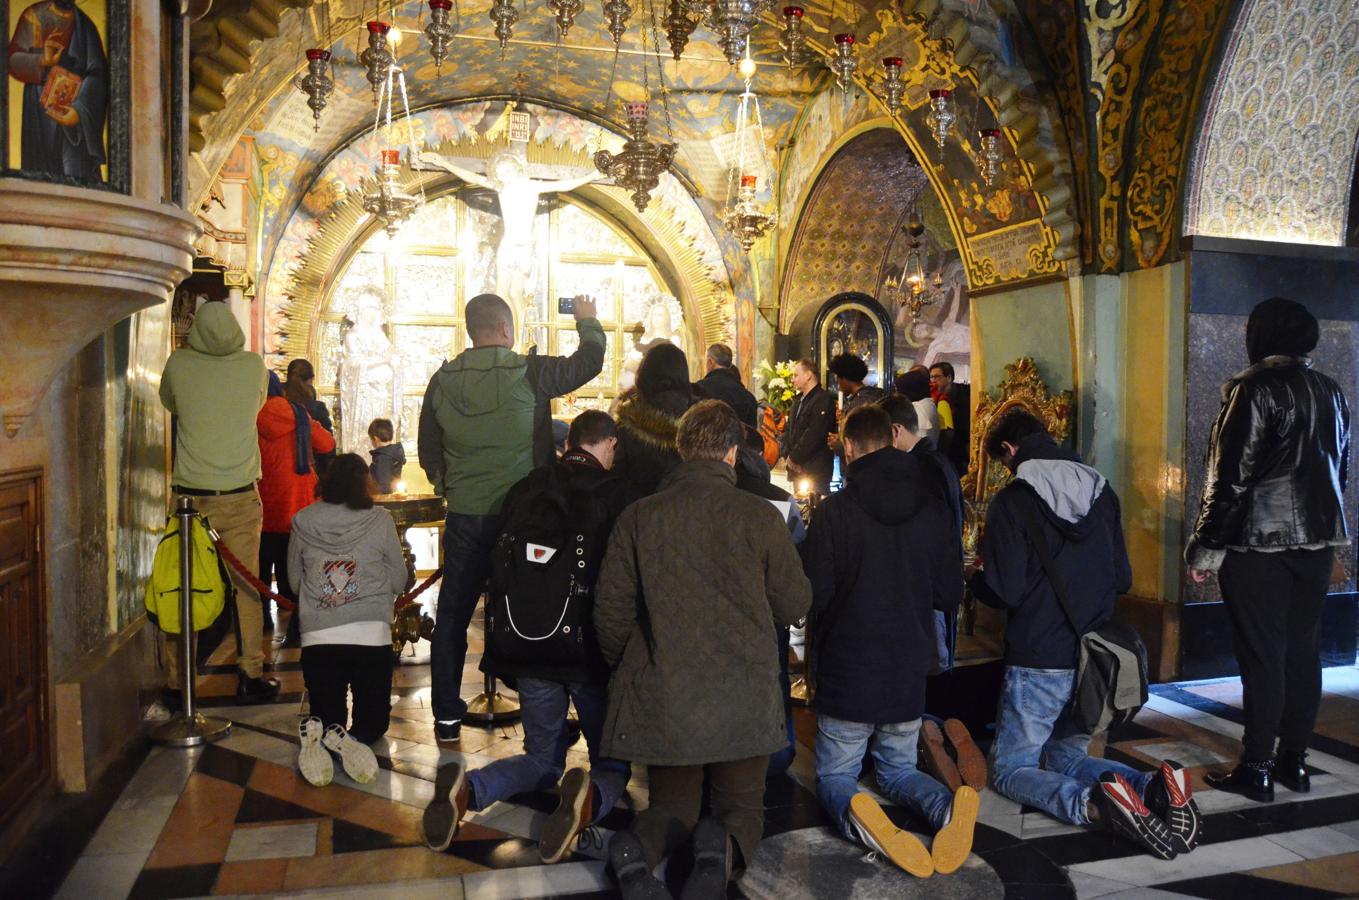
column 24, row 757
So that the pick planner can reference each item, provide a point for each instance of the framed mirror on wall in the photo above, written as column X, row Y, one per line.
column 64, row 92
column 855, row 323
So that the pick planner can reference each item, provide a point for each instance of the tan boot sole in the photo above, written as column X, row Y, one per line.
column 953, row 843
column 902, row 848
column 971, row 763
column 937, row 761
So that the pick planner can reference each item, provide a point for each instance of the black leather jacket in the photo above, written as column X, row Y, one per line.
column 1278, row 460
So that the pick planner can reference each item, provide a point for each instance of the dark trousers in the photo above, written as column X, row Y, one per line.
column 1275, row 601
column 467, row 564
column 274, row 561
column 735, row 795
column 331, row 670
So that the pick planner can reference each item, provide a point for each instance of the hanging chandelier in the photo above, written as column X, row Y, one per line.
column 616, row 14
column 732, row 21
column 989, row 156
column 743, row 215
column 941, row 116
column 504, row 15
column 793, row 40
column 564, row 13
column 844, row 63
column 912, row 289
column 638, row 166
column 892, row 84
column 679, row 25
column 388, row 200
column 316, row 84
column 441, row 30
column 377, row 58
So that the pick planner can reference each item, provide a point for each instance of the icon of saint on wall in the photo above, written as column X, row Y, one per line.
column 57, row 53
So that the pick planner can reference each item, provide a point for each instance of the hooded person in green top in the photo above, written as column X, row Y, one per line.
column 485, row 424
column 214, row 388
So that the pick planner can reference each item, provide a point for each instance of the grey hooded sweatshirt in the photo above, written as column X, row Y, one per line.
column 345, row 565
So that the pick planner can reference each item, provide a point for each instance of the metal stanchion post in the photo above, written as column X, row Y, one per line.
column 488, row 706
column 190, row 728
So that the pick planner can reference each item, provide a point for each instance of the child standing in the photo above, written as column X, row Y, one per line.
column 388, row 458
column 345, row 562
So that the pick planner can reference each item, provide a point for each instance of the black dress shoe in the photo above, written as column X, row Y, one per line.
column 1252, row 780
column 255, row 690
column 1290, row 770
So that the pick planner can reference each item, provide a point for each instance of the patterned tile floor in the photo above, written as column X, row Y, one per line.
column 235, row 818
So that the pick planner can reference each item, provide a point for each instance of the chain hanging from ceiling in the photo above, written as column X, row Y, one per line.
column 638, row 167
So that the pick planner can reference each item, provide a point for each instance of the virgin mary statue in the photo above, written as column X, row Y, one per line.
column 370, row 380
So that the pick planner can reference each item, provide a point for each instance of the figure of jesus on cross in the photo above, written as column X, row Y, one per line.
column 518, row 192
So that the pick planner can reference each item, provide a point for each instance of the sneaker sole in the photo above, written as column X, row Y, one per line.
column 358, row 761
column 1179, row 787
column 971, row 763
column 1124, row 810
column 441, row 817
column 554, row 842
column 953, row 844
column 315, row 764
column 902, row 848
column 937, row 761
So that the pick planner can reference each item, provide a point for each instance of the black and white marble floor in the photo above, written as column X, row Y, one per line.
column 235, row 819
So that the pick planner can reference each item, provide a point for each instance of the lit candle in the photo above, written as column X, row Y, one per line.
column 804, row 487
column 399, row 489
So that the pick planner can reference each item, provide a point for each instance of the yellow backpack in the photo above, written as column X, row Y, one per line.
column 211, row 585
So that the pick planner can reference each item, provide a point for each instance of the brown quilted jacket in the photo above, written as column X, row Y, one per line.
column 694, row 582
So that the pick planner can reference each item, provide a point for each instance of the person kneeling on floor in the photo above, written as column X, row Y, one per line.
column 540, row 634
column 345, row 563
column 880, row 557
column 695, row 582
column 1040, row 756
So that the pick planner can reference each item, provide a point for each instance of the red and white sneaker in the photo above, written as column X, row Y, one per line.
column 1124, row 813
column 1171, row 796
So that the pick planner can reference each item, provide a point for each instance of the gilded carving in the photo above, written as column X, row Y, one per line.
column 1021, row 387
column 1187, row 36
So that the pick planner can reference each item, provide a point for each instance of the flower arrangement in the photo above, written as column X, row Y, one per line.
column 777, row 380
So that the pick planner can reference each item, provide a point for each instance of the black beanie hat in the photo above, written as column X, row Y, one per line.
column 1280, row 327
column 849, row 367
column 664, row 368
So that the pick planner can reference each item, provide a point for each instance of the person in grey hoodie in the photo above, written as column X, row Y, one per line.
column 345, row 563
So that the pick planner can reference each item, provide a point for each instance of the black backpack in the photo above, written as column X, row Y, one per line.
column 543, row 571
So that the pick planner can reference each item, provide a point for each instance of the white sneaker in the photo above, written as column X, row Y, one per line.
column 358, row 760
column 313, row 759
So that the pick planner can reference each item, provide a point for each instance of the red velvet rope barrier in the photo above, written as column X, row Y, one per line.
column 254, row 581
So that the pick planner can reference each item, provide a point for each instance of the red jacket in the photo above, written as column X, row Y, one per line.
column 282, row 491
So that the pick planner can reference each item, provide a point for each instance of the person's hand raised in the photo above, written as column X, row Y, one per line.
column 585, row 308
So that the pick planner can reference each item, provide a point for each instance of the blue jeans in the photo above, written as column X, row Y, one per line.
column 542, row 711
column 840, row 749
column 1039, row 757
column 467, row 564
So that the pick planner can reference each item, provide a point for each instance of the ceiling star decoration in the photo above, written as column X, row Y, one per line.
column 444, row 21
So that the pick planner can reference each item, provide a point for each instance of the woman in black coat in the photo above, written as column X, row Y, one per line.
column 648, row 418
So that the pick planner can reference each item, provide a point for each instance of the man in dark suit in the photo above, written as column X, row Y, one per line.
column 810, row 422
column 723, row 383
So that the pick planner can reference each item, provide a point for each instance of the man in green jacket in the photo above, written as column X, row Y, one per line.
column 485, row 424
column 214, row 388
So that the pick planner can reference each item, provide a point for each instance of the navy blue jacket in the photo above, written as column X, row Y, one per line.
column 1077, row 514
column 881, row 557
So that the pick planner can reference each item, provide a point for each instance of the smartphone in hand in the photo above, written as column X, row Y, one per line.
column 566, row 305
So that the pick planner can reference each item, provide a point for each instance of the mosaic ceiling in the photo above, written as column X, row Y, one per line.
column 1277, row 155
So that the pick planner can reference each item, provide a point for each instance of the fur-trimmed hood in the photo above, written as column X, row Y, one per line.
column 647, row 432
column 651, row 424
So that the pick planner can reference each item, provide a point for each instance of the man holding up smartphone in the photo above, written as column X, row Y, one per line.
column 485, row 424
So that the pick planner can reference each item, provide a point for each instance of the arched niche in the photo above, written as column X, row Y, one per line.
column 855, row 323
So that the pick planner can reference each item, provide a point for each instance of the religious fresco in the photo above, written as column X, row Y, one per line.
column 1276, row 155
column 556, row 136
column 59, row 89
